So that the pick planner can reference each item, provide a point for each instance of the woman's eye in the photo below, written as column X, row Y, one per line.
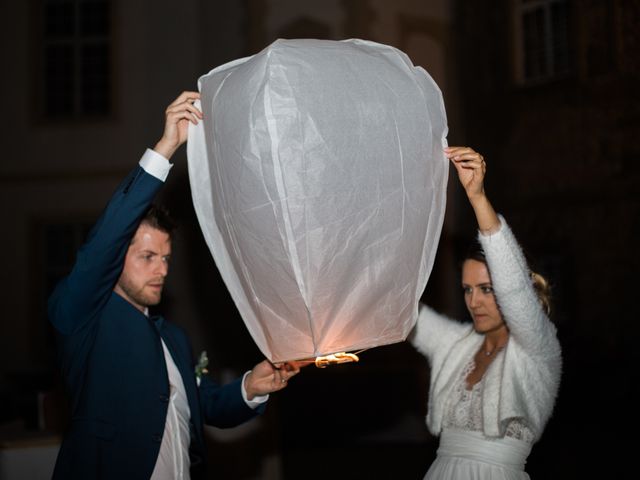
column 467, row 290
column 487, row 289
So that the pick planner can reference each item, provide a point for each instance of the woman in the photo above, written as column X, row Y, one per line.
column 493, row 384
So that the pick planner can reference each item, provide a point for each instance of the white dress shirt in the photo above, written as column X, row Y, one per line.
column 173, row 460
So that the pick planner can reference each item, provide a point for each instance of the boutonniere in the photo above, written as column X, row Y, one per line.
column 201, row 367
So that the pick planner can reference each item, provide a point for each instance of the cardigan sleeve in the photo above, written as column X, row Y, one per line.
column 433, row 330
column 515, row 294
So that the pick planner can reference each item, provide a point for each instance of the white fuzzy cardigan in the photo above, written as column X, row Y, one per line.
column 522, row 382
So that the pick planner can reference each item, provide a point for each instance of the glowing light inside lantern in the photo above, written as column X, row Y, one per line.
column 335, row 359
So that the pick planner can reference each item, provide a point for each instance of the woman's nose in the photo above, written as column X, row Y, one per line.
column 474, row 299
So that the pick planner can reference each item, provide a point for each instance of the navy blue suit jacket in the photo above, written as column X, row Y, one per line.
column 113, row 362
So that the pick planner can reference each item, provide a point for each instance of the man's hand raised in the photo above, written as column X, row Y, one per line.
column 177, row 118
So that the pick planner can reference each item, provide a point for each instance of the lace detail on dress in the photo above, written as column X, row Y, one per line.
column 519, row 430
column 464, row 409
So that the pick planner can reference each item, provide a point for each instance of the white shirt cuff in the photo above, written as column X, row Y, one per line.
column 155, row 164
column 257, row 400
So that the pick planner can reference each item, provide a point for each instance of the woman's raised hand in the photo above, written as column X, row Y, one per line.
column 471, row 168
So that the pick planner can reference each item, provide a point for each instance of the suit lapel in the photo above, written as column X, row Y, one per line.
column 183, row 363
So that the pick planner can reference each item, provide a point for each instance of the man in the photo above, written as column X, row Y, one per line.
column 137, row 408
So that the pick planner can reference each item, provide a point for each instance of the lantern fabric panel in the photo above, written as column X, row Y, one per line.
column 319, row 182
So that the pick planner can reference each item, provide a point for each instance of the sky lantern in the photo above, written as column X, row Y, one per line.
column 319, row 181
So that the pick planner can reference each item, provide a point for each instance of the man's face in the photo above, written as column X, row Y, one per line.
column 145, row 268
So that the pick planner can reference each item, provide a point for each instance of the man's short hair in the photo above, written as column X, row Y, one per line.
column 158, row 217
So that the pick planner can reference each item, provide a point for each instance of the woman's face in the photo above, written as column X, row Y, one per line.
column 479, row 297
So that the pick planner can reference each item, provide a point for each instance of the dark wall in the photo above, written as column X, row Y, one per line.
column 563, row 167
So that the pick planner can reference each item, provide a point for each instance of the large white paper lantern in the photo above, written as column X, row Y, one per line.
column 318, row 178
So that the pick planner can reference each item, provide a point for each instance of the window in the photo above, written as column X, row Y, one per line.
column 74, row 56
column 600, row 52
column 542, row 40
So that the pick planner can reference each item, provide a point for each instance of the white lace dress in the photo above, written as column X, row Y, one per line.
column 465, row 453
column 487, row 432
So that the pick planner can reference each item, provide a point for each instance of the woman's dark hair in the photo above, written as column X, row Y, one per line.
column 475, row 252
column 540, row 284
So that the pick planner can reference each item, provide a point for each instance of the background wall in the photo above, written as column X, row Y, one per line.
column 547, row 90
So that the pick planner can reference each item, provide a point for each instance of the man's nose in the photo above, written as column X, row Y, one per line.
column 162, row 268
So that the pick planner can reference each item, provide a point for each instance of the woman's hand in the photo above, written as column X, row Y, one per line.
column 470, row 167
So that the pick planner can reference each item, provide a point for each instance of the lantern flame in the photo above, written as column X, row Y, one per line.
column 335, row 359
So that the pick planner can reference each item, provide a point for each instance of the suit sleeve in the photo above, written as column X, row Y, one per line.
column 223, row 406
column 78, row 298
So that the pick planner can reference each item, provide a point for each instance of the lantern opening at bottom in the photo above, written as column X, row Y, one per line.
column 335, row 359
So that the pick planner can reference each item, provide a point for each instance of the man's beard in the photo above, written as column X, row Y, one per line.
column 138, row 295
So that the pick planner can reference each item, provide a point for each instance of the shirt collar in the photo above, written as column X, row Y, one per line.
column 157, row 319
